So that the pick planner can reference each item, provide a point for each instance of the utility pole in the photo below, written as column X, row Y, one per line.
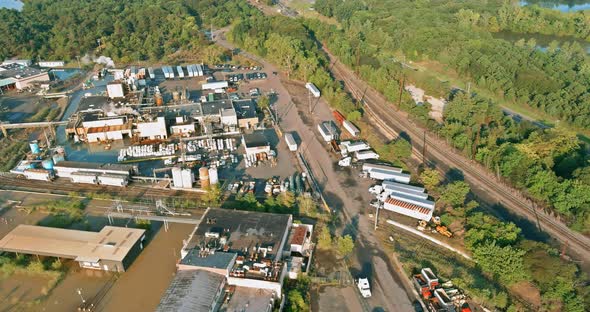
column 424, row 148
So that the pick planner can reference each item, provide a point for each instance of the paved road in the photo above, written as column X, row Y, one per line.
column 439, row 153
column 389, row 286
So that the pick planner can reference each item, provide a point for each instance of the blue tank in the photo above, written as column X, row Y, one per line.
column 34, row 145
column 47, row 164
column 58, row 158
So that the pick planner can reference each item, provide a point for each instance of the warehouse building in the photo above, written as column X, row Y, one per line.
column 153, row 130
column 83, row 172
column 16, row 76
column 111, row 249
column 246, row 112
column 193, row 290
column 255, row 143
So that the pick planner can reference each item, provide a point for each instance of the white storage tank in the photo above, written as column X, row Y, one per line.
column 213, row 176
column 187, row 178
column 113, row 179
column 83, row 177
column 177, row 177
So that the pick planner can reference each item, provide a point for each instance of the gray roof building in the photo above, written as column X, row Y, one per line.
column 193, row 291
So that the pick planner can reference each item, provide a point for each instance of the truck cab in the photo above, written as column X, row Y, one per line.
column 364, row 287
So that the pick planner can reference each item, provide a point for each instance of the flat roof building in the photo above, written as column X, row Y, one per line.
column 19, row 76
column 255, row 143
column 246, row 112
column 111, row 249
column 193, row 291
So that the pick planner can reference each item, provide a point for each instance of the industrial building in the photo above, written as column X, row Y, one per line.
column 246, row 112
column 18, row 76
column 153, row 129
column 255, row 143
column 92, row 173
column 239, row 251
column 111, row 249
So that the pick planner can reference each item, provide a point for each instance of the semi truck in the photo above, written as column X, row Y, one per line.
column 351, row 147
column 365, row 155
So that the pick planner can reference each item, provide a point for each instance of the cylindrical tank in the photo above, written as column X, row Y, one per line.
column 34, row 145
column 213, row 177
column 204, row 177
column 176, row 96
column 47, row 164
column 60, row 150
column 159, row 99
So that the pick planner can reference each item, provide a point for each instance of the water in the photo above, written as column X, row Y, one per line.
column 543, row 41
column 11, row 4
column 566, row 6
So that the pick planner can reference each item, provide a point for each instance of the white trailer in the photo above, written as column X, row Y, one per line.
column 113, row 179
column 407, row 209
column 180, row 71
column 83, row 177
column 290, row 140
column 171, row 72
column 413, row 200
column 368, row 167
column 199, row 70
column 364, row 287
column 404, row 186
column 351, row 147
column 38, row 174
column 354, row 131
column 384, row 175
column 365, row 155
column 313, row 89
column 189, row 71
column 165, row 71
column 151, row 73
column 215, row 85
column 325, row 133
column 398, row 190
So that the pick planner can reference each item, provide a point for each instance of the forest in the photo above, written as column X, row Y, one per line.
column 126, row 31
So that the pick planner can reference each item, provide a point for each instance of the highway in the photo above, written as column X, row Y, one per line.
column 439, row 153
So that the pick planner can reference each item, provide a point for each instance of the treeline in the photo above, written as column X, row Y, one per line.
column 288, row 43
column 126, row 31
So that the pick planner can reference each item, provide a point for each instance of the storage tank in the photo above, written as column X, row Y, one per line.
column 176, row 96
column 213, row 177
column 176, row 177
column 159, row 99
column 204, row 177
column 34, row 145
column 58, row 158
column 47, row 164
column 187, row 178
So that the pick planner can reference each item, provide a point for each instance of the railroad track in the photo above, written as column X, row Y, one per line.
column 62, row 186
column 382, row 113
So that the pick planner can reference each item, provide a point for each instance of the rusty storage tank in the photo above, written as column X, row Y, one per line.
column 158, row 99
column 176, row 96
column 204, row 177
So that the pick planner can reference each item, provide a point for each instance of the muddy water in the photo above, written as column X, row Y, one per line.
column 141, row 287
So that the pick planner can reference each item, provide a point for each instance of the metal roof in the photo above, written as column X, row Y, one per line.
column 111, row 243
column 191, row 291
column 217, row 260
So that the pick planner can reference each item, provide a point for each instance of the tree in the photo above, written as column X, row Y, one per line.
column 213, row 195
column 485, row 228
column 505, row 263
column 455, row 193
column 306, row 204
column 287, row 199
column 263, row 102
column 431, row 178
column 344, row 245
column 402, row 149
column 324, row 237
column 296, row 302
column 354, row 116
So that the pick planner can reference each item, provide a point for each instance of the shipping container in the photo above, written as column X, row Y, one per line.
column 113, row 180
column 83, row 177
column 399, row 190
column 338, row 117
column 180, row 71
column 367, row 167
column 151, row 73
column 215, row 85
column 200, row 71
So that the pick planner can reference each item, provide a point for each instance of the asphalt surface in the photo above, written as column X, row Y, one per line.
column 390, row 291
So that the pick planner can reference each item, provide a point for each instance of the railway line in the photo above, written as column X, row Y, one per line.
column 62, row 186
column 438, row 152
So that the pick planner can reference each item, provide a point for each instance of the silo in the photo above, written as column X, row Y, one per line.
column 34, row 145
column 213, row 177
column 204, row 177
column 177, row 177
column 158, row 99
column 187, row 178
column 176, row 96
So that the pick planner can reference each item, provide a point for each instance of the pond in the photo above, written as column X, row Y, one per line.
column 560, row 5
column 11, row 4
column 542, row 41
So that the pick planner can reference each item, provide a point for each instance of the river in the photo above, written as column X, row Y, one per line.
column 11, row 4
column 567, row 6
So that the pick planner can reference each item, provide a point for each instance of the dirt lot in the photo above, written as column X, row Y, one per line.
column 337, row 299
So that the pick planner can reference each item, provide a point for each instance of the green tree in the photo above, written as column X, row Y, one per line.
column 354, row 116
column 455, row 193
column 296, row 302
column 287, row 199
column 324, row 237
column 344, row 245
column 263, row 102
column 484, row 228
column 431, row 178
column 505, row 263
column 212, row 197
column 306, row 204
